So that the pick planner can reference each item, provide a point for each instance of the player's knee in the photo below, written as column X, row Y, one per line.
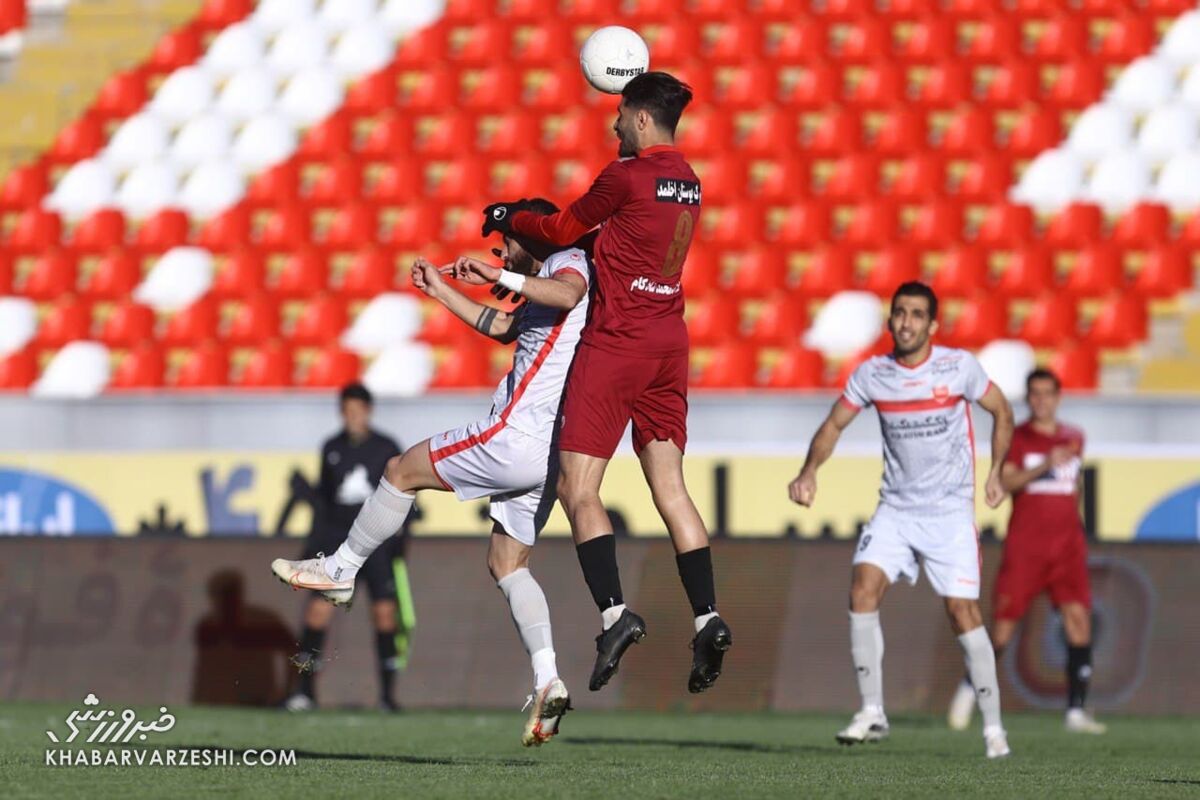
column 571, row 492
column 964, row 613
column 864, row 598
column 502, row 564
column 394, row 471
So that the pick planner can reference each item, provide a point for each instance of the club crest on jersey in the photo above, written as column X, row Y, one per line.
column 941, row 392
column 673, row 190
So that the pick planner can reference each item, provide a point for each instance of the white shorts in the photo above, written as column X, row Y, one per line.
column 489, row 459
column 947, row 545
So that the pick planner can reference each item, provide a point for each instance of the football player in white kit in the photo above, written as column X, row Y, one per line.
column 506, row 456
column 926, row 512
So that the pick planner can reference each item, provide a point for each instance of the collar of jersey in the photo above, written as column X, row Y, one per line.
column 658, row 148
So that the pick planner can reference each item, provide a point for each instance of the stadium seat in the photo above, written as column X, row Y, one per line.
column 1006, row 225
column 252, row 321
column 51, row 275
column 777, row 182
column 353, row 226
column 1060, row 39
column 411, row 225
column 1181, row 42
column 212, row 187
column 121, row 95
column 18, row 324
column 732, row 365
column 331, row 367
column 1164, row 271
column 148, row 188
column 1101, row 130
column 34, row 231
column 832, row 134
column 114, row 277
column 871, row 224
column 69, row 319
column 982, row 179
column 1121, row 322
column 713, row 320
column 225, row 231
column 1074, row 225
column 1144, row 85
column 1119, row 181
column 982, row 319
column 968, row 132
column 1052, row 319
column 192, row 325
column 756, row 273
column 1027, row 273
column 99, row 232
column 1143, row 225
column 1051, row 181
column 301, row 44
column 1076, row 365
column 218, row 14
column 237, row 47
column 143, row 367
column 78, row 370
column 269, row 366
column 1126, row 37
column 263, row 142
column 241, row 274
column 127, row 325
column 848, row 324
column 388, row 319
column 877, row 87
column 1033, row 130
column 1074, row 85
column 852, row 178
column 901, row 132
column 141, row 137
column 18, row 370
column 159, row 233
column 86, row 187
column 369, row 273
column 202, row 138
column 916, row 178
column 890, row 267
column 175, row 49
column 321, row 320
column 304, row 272
column 1096, row 272
column 284, row 228
column 456, row 368
column 205, row 366
column 779, row 321
column 942, row 86
column 310, row 95
column 24, row 186
column 797, row 368
column 185, row 93
column 6, row 273
column 80, row 139
column 961, row 273
column 1168, row 131
column 923, row 41
column 178, row 279
column 1177, row 186
column 825, row 271
column 1007, row 363
column 275, row 185
column 815, row 86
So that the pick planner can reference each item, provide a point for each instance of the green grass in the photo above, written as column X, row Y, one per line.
column 615, row 755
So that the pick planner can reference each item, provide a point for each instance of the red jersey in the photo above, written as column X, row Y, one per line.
column 1048, row 506
column 649, row 207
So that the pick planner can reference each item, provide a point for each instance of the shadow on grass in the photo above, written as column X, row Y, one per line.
column 697, row 744
column 1175, row 780
column 391, row 758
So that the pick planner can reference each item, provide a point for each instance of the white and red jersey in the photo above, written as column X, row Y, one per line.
column 528, row 397
column 925, row 417
column 1048, row 506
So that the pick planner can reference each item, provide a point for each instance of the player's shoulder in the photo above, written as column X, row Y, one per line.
column 570, row 257
column 1072, row 432
column 334, row 442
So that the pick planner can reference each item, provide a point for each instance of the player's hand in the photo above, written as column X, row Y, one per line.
column 475, row 272
column 1059, row 455
column 993, row 490
column 498, row 217
column 803, row 489
column 427, row 277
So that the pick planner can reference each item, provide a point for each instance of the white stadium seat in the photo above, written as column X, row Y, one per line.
column 181, row 277
column 1119, row 181
column 264, row 141
column 386, row 320
column 1189, row 90
column 311, row 95
column 18, row 323
column 1144, row 85
column 340, row 15
column 140, row 138
column 1178, row 183
column 212, row 187
column 402, row 370
column 362, row 50
column 848, row 323
column 185, row 93
column 238, row 47
column 1008, row 363
column 87, row 186
column 272, row 16
column 1051, row 181
column 302, row 44
column 1102, row 129
column 399, row 17
column 208, row 136
column 148, row 188
column 248, row 93
column 1167, row 131
column 80, row 369
column 1181, row 44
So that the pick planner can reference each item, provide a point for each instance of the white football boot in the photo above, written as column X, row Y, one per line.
column 1080, row 721
column 996, row 743
column 868, row 725
column 958, row 717
column 299, row 702
column 546, row 710
column 310, row 574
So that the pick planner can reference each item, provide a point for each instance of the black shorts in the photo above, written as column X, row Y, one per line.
column 377, row 571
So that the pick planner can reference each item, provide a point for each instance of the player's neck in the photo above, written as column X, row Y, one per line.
column 657, row 142
column 914, row 359
column 1047, row 426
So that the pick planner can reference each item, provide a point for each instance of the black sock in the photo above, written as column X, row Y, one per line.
column 308, row 661
column 385, row 648
column 1079, row 674
column 696, row 572
column 598, row 558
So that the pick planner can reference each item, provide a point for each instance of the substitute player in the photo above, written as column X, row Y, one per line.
column 1044, row 550
column 507, row 455
column 926, row 512
column 632, row 364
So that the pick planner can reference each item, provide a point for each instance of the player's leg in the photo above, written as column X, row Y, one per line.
column 966, row 620
column 1071, row 593
column 868, row 584
column 317, row 616
column 381, row 588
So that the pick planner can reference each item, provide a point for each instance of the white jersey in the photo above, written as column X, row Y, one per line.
column 528, row 397
column 925, row 417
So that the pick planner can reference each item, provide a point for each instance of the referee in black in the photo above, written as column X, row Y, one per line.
column 352, row 464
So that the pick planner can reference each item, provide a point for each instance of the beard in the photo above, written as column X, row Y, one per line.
column 625, row 148
column 523, row 264
column 901, row 350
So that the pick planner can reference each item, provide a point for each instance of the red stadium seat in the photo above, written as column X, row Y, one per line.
column 24, row 187
column 121, row 95
column 581, row 132
column 1165, row 271
column 744, row 88
column 926, row 41
column 935, row 225
column 488, row 91
column 68, row 320
column 730, row 40
column 332, row 367
column 1027, row 273
column 217, row 14
column 444, row 136
column 982, row 319
column 901, row 132
column 1074, row 86
column 731, row 226
column 457, row 181
column 968, row 132
column 983, row 179
column 35, row 230
column 254, row 320
column 114, row 277
column 241, row 274
column 544, row 43
column 275, row 185
column 143, row 367
column 644, row 11
column 1144, row 225
column 700, row 273
column 942, row 86
column 100, row 231
column 1006, row 225
column 51, row 275
column 128, row 324
column 551, row 90
column 1121, row 322
column 780, row 321
column 161, row 231
column 706, row 10
column 832, row 134
column 527, row 177
column 227, row 231
column 1126, row 38
column 989, row 40
column 797, row 368
column 1096, row 271
column 18, row 370
column 877, row 86
column 205, row 366
column 852, row 178
column 732, row 365
column 441, row 327
column 713, row 320
column 328, row 139
column 398, row 182
column 1060, row 39
column 304, row 273
column 285, row 227
column 1008, row 86
column 858, row 42
column 1077, row 225
column 320, row 322
column 704, row 133
column 871, row 224
column 801, row 224
column 1033, row 131
column 508, row 135
column 390, row 136
column 369, row 273
column 794, row 41
column 777, row 181
column 962, row 273
column 1076, row 365
column 755, row 273
column 176, row 49
column 411, row 226
column 192, row 325
column 421, row 48
column 6, row 273
column 461, row 367
column 919, row 177
column 269, row 367
column 813, row 87
column 1052, row 319
column 893, row 266
column 826, row 272
column 78, row 140
column 353, row 226
column 724, row 179
column 372, row 93
column 477, row 43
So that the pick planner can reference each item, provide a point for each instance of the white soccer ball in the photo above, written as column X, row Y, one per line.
column 612, row 56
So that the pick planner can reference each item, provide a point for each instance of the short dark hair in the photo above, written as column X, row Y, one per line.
column 661, row 95
column 1042, row 374
column 917, row 289
column 356, row 391
column 538, row 249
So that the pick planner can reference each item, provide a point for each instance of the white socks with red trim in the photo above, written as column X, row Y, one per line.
column 531, row 615
column 981, row 666
column 866, row 648
column 381, row 517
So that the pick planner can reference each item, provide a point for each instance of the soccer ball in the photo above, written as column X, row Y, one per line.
column 612, row 56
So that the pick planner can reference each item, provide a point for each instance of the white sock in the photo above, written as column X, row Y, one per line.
column 866, row 649
column 703, row 619
column 611, row 614
column 981, row 666
column 531, row 615
column 380, row 518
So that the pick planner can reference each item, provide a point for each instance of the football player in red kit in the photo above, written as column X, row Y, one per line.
column 1044, row 550
column 632, row 362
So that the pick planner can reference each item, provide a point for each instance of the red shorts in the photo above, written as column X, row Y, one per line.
column 605, row 391
column 1028, row 569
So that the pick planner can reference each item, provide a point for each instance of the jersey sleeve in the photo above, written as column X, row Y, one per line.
column 977, row 381
column 1016, row 451
column 855, row 396
column 569, row 261
column 608, row 192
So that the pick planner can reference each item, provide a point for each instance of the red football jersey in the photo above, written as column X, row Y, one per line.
column 650, row 206
column 1049, row 505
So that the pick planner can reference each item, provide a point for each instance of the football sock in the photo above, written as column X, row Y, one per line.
column 531, row 615
column 1079, row 675
column 380, row 518
column 866, row 648
column 308, row 660
column 610, row 615
column 598, row 559
column 385, row 648
column 696, row 572
column 981, row 666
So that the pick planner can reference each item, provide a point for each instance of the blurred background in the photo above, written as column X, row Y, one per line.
column 207, row 214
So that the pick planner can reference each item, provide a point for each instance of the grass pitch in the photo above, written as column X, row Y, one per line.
column 613, row 755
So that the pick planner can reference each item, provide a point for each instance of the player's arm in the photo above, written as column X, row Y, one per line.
column 564, row 289
column 1015, row 478
column 491, row 322
column 803, row 489
column 994, row 403
column 606, row 194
